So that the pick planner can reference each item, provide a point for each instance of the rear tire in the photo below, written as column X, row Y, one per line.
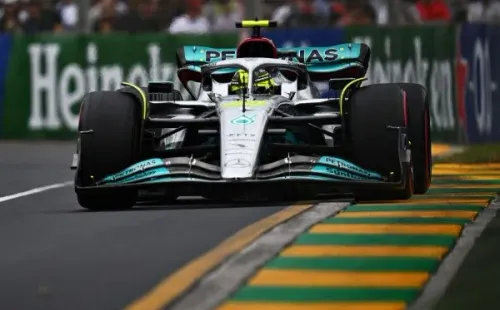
column 112, row 145
column 370, row 110
column 419, row 134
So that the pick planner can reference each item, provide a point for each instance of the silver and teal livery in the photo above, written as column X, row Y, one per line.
column 222, row 143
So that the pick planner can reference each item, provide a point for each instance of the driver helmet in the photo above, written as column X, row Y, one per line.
column 263, row 82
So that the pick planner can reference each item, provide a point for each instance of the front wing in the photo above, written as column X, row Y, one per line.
column 191, row 177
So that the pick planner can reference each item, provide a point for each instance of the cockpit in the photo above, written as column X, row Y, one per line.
column 252, row 76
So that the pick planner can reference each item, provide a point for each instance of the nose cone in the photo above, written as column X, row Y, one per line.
column 241, row 137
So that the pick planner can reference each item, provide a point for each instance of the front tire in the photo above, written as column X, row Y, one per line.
column 419, row 134
column 370, row 110
column 112, row 143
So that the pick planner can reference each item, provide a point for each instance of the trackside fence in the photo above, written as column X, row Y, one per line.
column 43, row 77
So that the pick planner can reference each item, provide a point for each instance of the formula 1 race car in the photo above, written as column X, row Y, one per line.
column 255, row 127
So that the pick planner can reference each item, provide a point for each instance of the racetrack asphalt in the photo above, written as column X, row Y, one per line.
column 54, row 255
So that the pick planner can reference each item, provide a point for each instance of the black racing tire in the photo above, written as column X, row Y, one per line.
column 370, row 144
column 114, row 119
column 419, row 135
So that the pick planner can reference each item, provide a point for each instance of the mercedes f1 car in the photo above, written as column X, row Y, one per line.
column 255, row 127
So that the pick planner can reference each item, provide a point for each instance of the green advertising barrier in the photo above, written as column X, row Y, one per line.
column 48, row 75
column 420, row 54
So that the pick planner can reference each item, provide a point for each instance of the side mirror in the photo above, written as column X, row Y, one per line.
column 339, row 83
column 302, row 86
column 158, row 91
column 206, row 84
column 302, row 82
column 160, row 87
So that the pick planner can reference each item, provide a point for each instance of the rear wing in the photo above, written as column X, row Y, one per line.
column 322, row 62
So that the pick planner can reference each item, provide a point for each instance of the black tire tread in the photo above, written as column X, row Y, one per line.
column 113, row 145
column 418, row 118
column 370, row 110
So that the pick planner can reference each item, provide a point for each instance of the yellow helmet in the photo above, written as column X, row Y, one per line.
column 263, row 82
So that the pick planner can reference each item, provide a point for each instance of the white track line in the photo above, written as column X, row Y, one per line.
column 35, row 191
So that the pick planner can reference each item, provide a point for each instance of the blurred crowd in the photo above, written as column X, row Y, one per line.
column 205, row 16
